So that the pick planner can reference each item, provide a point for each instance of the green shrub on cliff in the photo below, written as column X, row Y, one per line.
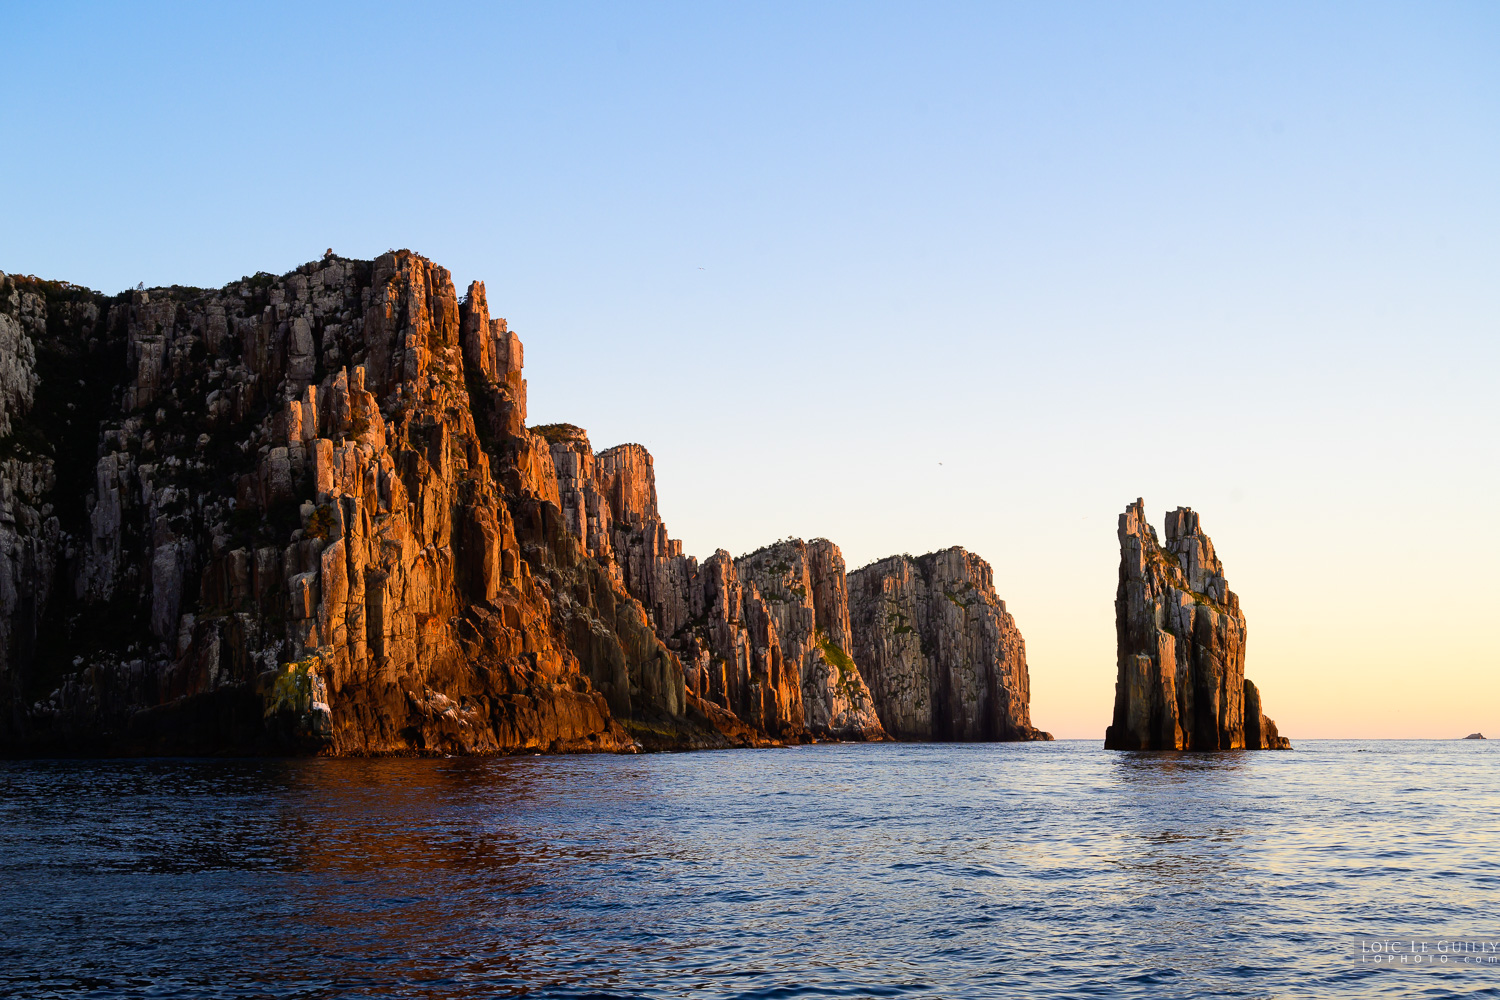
column 293, row 688
column 842, row 661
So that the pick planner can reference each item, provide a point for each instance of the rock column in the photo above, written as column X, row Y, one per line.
column 1180, row 641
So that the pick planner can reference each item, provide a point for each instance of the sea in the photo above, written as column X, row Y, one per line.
column 878, row 870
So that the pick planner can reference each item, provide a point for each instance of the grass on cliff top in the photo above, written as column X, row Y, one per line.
column 788, row 540
column 259, row 280
column 555, row 433
column 56, row 291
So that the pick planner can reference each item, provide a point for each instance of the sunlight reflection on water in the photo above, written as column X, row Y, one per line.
column 957, row 871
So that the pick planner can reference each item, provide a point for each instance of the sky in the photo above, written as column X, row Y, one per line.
column 904, row 276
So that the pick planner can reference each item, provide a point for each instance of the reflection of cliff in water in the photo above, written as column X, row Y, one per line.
column 1181, row 846
column 1148, row 765
column 890, row 869
column 406, row 858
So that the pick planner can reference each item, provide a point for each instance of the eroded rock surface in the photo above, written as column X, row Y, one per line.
column 308, row 516
column 804, row 589
column 943, row 658
column 1180, row 638
column 763, row 638
column 306, row 513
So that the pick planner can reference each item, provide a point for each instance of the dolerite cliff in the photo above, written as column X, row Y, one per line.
column 306, row 514
column 943, row 657
column 1180, row 638
column 763, row 638
column 297, row 513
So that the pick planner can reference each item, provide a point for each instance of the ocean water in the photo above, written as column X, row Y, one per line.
column 1009, row 870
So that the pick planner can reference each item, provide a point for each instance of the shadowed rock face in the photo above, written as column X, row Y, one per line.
column 943, row 658
column 306, row 515
column 764, row 638
column 1181, row 646
column 786, row 642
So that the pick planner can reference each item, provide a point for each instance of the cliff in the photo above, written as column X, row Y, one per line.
column 305, row 513
column 1180, row 640
column 804, row 588
column 296, row 513
column 762, row 638
column 943, row 658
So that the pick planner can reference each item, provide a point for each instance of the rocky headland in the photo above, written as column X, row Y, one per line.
column 306, row 514
column 943, row 658
column 762, row 637
column 1180, row 642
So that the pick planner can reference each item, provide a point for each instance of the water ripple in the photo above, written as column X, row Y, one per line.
column 1043, row 870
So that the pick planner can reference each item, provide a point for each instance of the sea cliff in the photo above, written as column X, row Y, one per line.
column 306, row 514
column 943, row 656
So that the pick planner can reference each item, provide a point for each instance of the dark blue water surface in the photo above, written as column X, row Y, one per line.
column 1045, row 870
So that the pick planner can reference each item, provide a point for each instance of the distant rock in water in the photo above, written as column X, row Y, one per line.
column 943, row 658
column 1474, row 736
column 1180, row 646
column 806, row 591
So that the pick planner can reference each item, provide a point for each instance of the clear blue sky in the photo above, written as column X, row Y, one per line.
column 1242, row 257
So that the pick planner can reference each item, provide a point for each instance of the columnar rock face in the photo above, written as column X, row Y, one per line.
column 30, row 536
column 296, row 513
column 1181, row 646
column 762, row 638
column 306, row 514
column 943, row 657
column 804, row 589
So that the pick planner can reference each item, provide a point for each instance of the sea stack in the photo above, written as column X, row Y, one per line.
column 943, row 658
column 1180, row 640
